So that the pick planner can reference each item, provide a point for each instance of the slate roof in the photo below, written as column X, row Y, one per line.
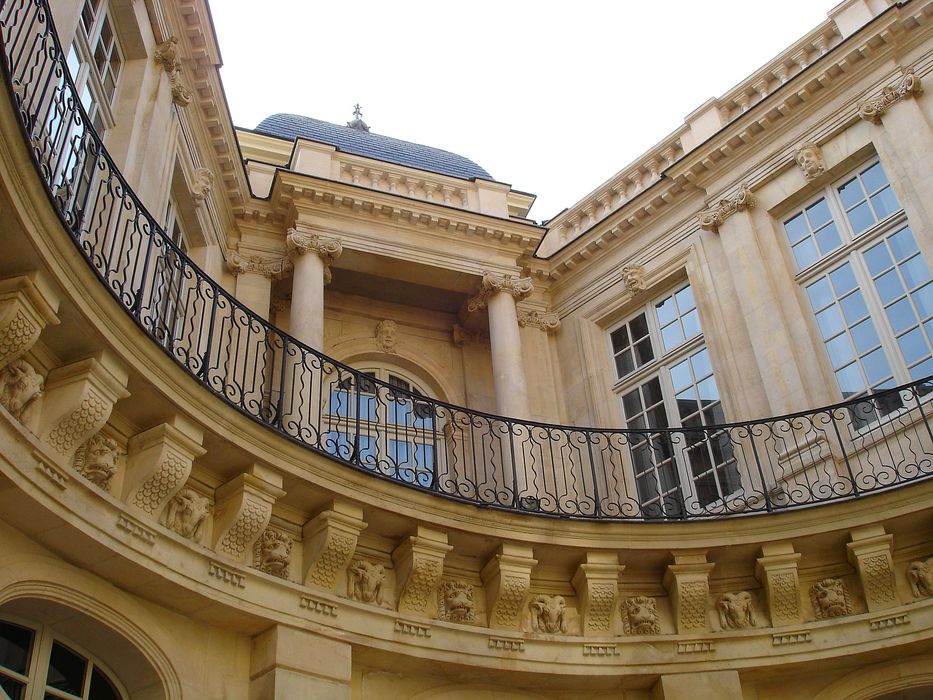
column 369, row 145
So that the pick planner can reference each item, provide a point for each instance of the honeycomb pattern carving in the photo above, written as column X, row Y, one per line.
column 84, row 419
column 155, row 490
column 333, row 558
column 250, row 522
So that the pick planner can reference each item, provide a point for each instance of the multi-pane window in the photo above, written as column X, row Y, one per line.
column 867, row 282
column 383, row 427
column 95, row 62
column 168, row 305
column 669, row 396
column 35, row 665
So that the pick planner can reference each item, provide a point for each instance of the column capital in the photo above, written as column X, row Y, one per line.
column 908, row 85
column 273, row 268
column 494, row 283
column 714, row 217
column 302, row 242
column 547, row 321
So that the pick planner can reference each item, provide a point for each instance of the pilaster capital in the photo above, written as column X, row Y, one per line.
column 273, row 268
column 494, row 283
column 908, row 85
column 301, row 242
column 546, row 321
column 714, row 217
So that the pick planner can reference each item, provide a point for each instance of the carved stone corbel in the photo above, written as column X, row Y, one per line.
column 507, row 578
column 201, row 187
column 870, row 553
column 159, row 463
column 908, row 85
column 776, row 570
column 596, row 582
column 687, row 582
column 329, row 541
column 78, row 400
column 419, row 565
column 27, row 305
column 166, row 55
column 243, row 507
column 714, row 217
column 546, row 321
column 518, row 287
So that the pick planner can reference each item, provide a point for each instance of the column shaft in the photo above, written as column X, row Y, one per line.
column 306, row 320
column 505, row 344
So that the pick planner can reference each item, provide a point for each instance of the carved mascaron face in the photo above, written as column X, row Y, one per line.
column 366, row 580
column 19, row 386
column 735, row 610
column 810, row 160
column 100, row 460
column 458, row 602
column 831, row 598
column 276, row 551
column 642, row 615
column 548, row 614
column 186, row 513
column 920, row 575
column 387, row 335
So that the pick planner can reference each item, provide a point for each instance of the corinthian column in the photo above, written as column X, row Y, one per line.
column 498, row 294
column 311, row 255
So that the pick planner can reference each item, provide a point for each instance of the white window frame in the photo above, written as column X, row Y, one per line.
column 852, row 251
column 85, row 75
column 39, row 657
column 660, row 367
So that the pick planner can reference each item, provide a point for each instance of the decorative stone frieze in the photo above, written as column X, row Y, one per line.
column 714, row 217
column 783, row 638
column 273, row 268
column 776, row 570
column 546, row 321
column 600, row 649
column 159, row 462
column 633, row 277
column 830, row 598
column 737, row 610
column 870, row 553
column 96, row 460
column 415, row 629
column 548, row 614
column 202, row 184
column 697, row 647
column 455, row 602
column 242, row 508
column 304, row 242
column 317, row 605
column 518, row 287
column 908, row 85
column 596, row 582
column 419, row 565
column 387, row 336
column 809, row 156
column 461, row 336
column 51, row 471
column 20, row 389
column 27, row 305
column 506, row 644
column 888, row 621
column 166, row 55
column 687, row 582
column 640, row 615
column 272, row 553
column 507, row 578
column 365, row 581
column 186, row 514
column 78, row 400
column 226, row 575
column 920, row 577
column 136, row 529
column 329, row 541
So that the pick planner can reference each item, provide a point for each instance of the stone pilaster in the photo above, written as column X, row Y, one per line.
column 870, row 553
column 507, row 578
column 776, row 570
column 286, row 663
column 254, row 274
column 329, row 541
column 596, row 582
column 687, row 582
column 419, row 565
column 242, row 509
column 27, row 305
column 159, row 462
column 78, row 400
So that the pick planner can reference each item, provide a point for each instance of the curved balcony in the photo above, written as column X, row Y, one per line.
column 836, row 453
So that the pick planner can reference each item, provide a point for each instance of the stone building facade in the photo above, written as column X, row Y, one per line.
column 336, row 442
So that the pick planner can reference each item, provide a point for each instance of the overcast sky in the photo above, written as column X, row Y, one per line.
column 551, row 97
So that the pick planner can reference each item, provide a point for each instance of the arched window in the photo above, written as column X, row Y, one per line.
column 35, row 664
column 378, row 422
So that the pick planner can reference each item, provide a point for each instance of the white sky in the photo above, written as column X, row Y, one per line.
column 551, row 97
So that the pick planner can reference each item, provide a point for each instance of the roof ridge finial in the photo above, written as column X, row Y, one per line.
column 358, row 122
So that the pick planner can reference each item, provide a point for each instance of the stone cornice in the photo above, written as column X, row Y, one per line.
column 714, row 217
column 908, row 85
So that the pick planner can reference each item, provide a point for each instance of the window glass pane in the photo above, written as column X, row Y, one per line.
column 851, row 192
column 840, row 351
column 701, row 364
column 853, row 308
column 638, row 327
column 828, row 239
column 885, row 203
column 619, row 338
column 796, row 229
column 805, row 253
column 901, row 316
column 923, row 298
column 830, row 322
column 691, row 324
column 820, row 293
column 672, row 336
column 843, row 279
column 666, row 311
column 625, row 363
column 644, row 352
column 889, row 286
column 876, row 367
column 903, row 243
column 14, row 689
column 15, row 644
column 680, row 376
column 631, row 403
column 652, row 391
column 923, row 370
column 66, row 670
column 878, row 259
column 915, row 271
column 861, row 217
column 874, row 177
column 865, row 337
column 913, row 346
column 685, row 300
column 101, row 687
column 818, row 214
column 707, row 391
column 850, row 381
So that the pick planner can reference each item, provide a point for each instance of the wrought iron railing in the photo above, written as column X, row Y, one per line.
column 839, row 452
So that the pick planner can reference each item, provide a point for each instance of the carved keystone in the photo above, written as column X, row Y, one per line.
column 596, row 582
column 776, row 570
column 243, row 507
column 687, row 582
column 27, row 305
column 419, row 565
column 159, row 462
column 329, row 541
column 507, row 578
column 870, row 553
column 78, row 400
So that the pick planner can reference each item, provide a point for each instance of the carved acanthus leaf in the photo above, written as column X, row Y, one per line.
column 518, row 287
column 714, row 217
column 273, row 268
column 545, row 320
column 873, row 109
